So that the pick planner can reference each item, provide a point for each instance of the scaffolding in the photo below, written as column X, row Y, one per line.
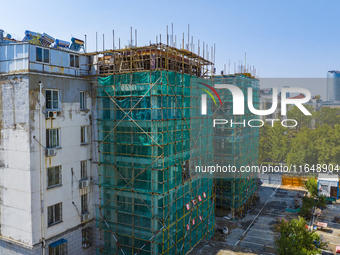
column 151, row 135
column 153, row 57
column 237, row 146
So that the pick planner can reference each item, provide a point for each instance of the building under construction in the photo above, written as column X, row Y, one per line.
column 151, row 135
column 236, row 145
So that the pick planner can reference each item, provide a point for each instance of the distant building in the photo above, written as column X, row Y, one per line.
column 287, row 93
column 331, row 104
column 333, row 86
column 266, row 101
column 328, row 185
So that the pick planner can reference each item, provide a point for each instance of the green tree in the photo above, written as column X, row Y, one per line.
column 303, row 148
column 302, row 120
column 327, row 115
column 328, row 144
column 311, row 186
column 279, row 142
column 264, row 144
column 309, row 202
column 307, row 205
column 295, row 238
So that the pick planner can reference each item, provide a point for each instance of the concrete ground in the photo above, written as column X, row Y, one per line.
column 254, row 234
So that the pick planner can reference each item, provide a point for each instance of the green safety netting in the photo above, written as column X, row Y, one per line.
column 151, row 135
column 236, row 145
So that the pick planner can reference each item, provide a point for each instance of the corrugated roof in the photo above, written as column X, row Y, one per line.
column 298, row 96
column 328, row 177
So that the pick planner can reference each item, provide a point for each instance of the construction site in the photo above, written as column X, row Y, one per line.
column 151, row 135
column 150, row 125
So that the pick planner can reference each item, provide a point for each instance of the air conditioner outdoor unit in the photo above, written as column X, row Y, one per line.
column 51, row 115
column 84, row 217
column 83, row 184
column 51, row 152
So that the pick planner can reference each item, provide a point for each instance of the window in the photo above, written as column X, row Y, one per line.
column 52, row 99
column 46, row 56
column 83, row 169
column 52, row 138
column 42, row 55
column 53, row 176
column 84, row 208
column 74, row 61
column 58, row 248
column 54, row 214
column 87, row 237
column 82, row 100
column 83, row 135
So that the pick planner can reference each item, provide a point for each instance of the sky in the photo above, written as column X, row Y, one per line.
column 282, row 39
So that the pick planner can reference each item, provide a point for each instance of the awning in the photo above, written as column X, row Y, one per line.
column 57, row 243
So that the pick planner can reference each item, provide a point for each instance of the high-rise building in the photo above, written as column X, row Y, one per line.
column 333, row 85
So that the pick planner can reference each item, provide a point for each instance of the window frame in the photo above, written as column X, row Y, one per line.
column 43, row 55
column 83, row 135
column 74, row 61
column 59, row 177
column 86, row 234
column 52, row 222
column 83, row 169
column 49, row 140
column 84, row 205
column 82, row 101
column 52, row 94
column 58, row 250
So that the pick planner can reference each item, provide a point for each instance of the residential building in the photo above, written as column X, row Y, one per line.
column 46, row 147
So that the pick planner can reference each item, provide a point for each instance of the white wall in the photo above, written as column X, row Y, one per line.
column 15, row 181
column 69, row 120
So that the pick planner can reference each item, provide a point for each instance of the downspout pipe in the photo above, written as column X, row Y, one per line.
column 41, row 173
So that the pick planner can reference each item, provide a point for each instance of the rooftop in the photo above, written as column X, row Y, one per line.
column 45, row 40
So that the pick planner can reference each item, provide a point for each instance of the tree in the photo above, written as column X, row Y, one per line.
column 279, row 142
column 302, row 120
column 327, row 115
column 295, row 238
column 304, row 148
column 264, row 144
column 307, row 205
column 328, row 144
column 311, row 186
column 309, row 202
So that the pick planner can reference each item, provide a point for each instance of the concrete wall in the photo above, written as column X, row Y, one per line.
column 69, row 155
column 74, row 244
column 15, row 170
column 325, row 186
column 21, row 175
